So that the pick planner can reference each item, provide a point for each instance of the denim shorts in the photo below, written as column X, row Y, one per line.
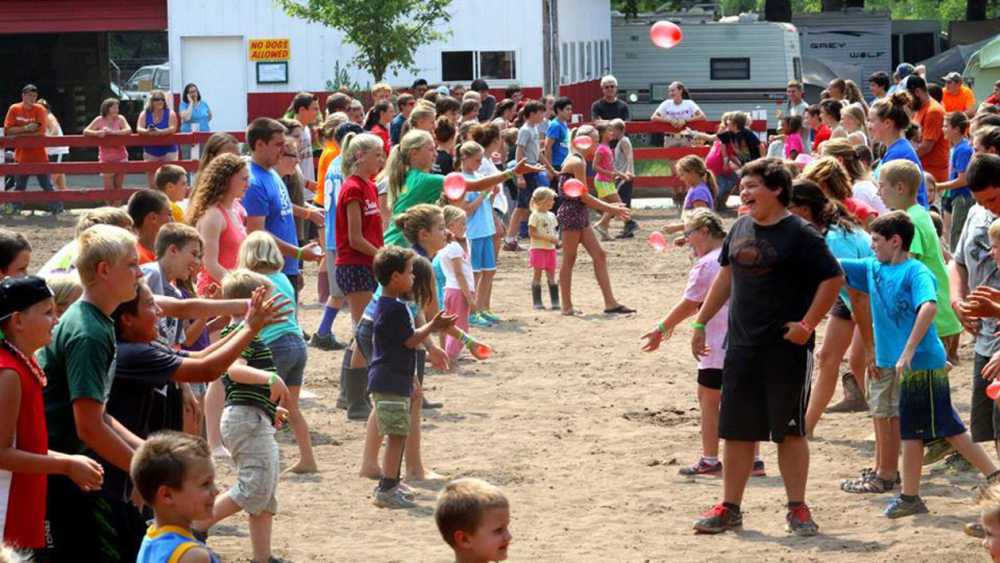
column 248, row 434
column 482, row 254
column 290, row 355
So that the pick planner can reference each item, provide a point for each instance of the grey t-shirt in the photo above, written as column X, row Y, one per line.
column 973, row 252
column 527, row 137
column 171, row 330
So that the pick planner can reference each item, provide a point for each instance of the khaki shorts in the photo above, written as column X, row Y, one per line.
column 248, row 434
column 392, row 412
column 883, row 394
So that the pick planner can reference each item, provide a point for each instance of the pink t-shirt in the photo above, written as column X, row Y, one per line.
column 699, row 281
column 605, row 159
column 793, row 142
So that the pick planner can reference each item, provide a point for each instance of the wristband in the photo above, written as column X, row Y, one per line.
column 508, row 174
column 805, row 326
column 272, row 379
column 298, row 253
column 698, row 326
column 662, row 327
column 467, row 341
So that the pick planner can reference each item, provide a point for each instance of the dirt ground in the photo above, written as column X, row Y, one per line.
column 585, row 433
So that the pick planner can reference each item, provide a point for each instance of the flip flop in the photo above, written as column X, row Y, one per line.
column 572, row 313
column 619, row 310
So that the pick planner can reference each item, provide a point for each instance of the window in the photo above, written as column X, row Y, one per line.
column 463, row 66
column 497, row 65
column 141, row 75
column 564, row 64
column 590, row 60
column 797, row 68
column 571, row 69
column 162, row 81
column 457, row 66
column 583, row 61
column 730, row 69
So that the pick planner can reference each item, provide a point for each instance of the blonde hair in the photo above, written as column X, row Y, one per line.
column 353, row 147
column 902, row 172
column 101, row 243
column 241, row 283
column 843, row 150
column 399, row 160
column 420, row 217
column 617, row 125
column 857, row 113
column 260, row 253
column 115, row 216
column 381, row 87
column 462, row 503
column 469, row 149
column 213, row 184
column 706, row 218
column 694, row 164
column 831, row 177
column 472, row 95
column 335, row 120
column 541, row 195
column 452, row 214
column 421, row 111
column 63, row 287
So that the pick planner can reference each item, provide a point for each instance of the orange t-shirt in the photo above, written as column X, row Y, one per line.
column 963, row 101
column 930, row 118
column 330, row 151
column 145, row 255
column 20, row 116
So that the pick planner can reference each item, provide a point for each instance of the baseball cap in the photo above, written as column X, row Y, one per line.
column 18, row 294
column 443, row 90
column 904, row 70
column 953, row 77
column 29, row 88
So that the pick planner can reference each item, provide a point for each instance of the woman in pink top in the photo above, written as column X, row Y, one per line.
column 110, row 122
column 217, row 214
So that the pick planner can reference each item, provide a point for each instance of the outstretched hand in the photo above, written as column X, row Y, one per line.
column 264, row 311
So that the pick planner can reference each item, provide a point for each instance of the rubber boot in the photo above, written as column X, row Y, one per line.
column 344, row 366
column 554, row 295
column 421, row 370
column 536, row 297
column 854, row 398
column 357, row 396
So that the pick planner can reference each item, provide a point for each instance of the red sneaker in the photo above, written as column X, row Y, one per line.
column 719, row 519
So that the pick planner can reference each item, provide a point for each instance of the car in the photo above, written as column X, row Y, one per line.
column 146, row 79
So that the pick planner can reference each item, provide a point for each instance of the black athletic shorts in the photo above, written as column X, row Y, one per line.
column 841, row 311
column 711, row 378
column 89, row 527
column 984, row 416
column 765, row 391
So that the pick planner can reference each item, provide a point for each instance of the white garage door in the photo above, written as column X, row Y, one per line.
column 217, row 65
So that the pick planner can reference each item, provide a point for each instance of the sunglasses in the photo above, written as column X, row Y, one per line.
column 609, row 87
column 158, row 99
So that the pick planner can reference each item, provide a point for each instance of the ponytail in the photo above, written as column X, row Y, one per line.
column 398, row 164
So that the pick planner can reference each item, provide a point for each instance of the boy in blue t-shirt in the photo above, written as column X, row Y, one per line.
column 911, row 376
column 392, row 375
column 557, row 137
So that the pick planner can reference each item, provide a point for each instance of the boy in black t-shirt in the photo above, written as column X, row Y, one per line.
column 780, row 280
column 392, row 376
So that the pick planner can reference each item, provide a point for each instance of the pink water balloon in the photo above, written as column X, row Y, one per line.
column 657, row 241
column 583, row 142
column 993, row 390
column 574, row 188
column 665, row 34
column 454, row 185
column 481, row 351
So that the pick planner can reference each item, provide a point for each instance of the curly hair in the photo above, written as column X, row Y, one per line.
column 828, row 173
column 212, row 185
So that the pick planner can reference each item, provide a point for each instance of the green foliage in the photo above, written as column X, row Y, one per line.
column 342, row 78
column 386, row 33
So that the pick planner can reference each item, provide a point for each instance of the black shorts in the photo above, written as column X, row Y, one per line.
column 984, row 417
column 711, row 378
column 88, row 527
column 765, row 391
column 841, row 311
column 524, row 194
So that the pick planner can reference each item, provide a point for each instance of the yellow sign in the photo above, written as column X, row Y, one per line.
column 269, row 50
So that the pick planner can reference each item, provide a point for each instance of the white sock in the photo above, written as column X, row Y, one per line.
column 711, row 460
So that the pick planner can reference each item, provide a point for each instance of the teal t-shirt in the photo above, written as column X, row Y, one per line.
column 420, row 187
column 848, row 243
column 926, row 247
column 79, row 364
column 288, row 325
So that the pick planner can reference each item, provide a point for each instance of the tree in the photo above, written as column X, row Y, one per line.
column 386, row 33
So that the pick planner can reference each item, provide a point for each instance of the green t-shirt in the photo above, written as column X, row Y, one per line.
column 79, row 364
column 926, row 247
column 420, row 187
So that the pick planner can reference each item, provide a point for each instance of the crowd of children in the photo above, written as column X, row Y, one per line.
column 177, row 316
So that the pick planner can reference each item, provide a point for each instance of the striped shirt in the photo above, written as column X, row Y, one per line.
column 257, row 355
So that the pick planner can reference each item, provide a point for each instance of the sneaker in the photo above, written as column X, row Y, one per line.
column 603, row 232
column 490, row 316
column 326, row 342
column 478, row 320
column 758, row 469
column 936, row 451
column 407, row 491
column 898, row 508
column 702, row 467
column 393, row 498
column 799, row 521
column 955, row 463
column 511, row 246
column 719, row 519
column 974, row 529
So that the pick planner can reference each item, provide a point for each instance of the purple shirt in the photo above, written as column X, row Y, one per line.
column 699, row 193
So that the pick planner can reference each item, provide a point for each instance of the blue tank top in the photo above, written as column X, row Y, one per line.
column 163, row 123
column 168, row 544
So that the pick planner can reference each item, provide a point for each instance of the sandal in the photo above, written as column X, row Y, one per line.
column 869, row 484
column 619, row 310
column 572, row 313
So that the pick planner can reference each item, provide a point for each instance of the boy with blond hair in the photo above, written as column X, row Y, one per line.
column 78, row 365
column 172, row 180
column 473, row 517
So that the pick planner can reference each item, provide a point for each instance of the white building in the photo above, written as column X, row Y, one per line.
column 503, row 42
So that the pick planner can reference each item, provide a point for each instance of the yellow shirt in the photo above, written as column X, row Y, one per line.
column 545, row 223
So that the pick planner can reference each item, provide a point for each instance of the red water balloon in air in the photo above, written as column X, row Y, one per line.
column 657, row 241
column 454, row 185
column 665, row 34
column 583, row 142
column 573, row 188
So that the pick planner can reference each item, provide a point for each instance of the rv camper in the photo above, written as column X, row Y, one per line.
column 743, row 65
column 860, row 39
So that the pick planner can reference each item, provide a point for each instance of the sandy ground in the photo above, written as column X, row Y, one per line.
column 585, row 433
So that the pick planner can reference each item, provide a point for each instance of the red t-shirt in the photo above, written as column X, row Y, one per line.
column 23, row 517
column 860, row 209
column 364, row 192
column 20, row 116
column 145, row 255
column 822, row 135
column 384, row 135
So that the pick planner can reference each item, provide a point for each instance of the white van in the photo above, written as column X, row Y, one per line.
column 146, row 79
column 743, row 65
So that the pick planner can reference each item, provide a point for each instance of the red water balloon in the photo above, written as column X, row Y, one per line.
column 574, row 188
column 993, row 390
column 583, row 142
column 454, row 185
column 657, row 241
column 665, row 34
column 481, row 351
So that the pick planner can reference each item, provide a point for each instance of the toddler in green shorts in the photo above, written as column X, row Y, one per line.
column 392, row 379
